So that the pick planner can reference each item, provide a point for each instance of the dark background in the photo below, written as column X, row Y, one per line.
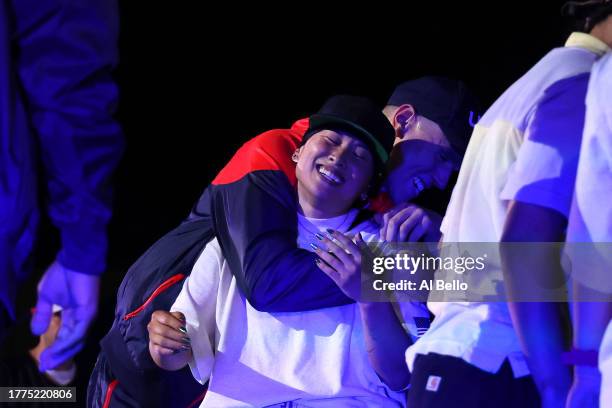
column 196, row 83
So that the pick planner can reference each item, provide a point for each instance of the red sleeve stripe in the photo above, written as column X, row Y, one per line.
column 109, row 393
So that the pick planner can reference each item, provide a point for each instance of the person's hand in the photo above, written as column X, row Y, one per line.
column 169, row 344
column 77, row 293
column 585, row 388
column 410, row 223
column 340, row 259
column 65, row 372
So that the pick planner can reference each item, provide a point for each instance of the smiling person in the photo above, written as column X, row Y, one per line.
column 331, row 357
column 433, row 118
column 258, row 240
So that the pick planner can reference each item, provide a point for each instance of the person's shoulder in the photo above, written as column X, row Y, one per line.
column 280, row 138
column 604, row 66
column 573, row 86
column 273, row 138
column 270, row 150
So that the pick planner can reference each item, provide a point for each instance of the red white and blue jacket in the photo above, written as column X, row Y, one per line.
column 251, row 208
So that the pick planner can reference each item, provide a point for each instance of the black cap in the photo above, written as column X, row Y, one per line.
column 446, row 101
column 361, row 118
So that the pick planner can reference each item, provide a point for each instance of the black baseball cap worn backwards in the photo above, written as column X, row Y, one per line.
column 360, row 117
column 446, row 101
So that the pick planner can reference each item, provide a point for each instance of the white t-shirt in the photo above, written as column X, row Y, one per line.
column 316, row 358
column 524, row 148
column 594, row 178
column 591, row 214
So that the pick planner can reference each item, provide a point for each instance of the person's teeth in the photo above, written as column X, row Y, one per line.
column 329, row 175
column 418, row 184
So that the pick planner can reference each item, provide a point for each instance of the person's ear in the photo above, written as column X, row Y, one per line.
column 405, row 116
column 296, row 155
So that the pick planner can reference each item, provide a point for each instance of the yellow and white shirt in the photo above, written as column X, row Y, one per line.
column 525, row 148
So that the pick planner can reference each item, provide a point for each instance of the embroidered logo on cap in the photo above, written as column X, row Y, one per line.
column 433, row 383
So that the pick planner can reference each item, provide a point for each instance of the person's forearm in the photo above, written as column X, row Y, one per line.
column 532, row 274
column 538, row 326
column 590, row 319
column 80, row 142
column 386, row 342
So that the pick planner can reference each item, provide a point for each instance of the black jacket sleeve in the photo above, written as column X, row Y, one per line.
column 255, row 221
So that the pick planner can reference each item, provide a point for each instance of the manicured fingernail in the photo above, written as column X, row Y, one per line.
column 186, row 340
column 185, row 348
column 313, row 246
column 319, row 237
column 183, row 329
column 330, row 231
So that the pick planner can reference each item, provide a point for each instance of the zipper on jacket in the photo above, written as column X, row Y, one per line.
column 161, row 288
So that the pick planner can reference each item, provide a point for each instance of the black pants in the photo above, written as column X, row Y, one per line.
column 444, row 381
